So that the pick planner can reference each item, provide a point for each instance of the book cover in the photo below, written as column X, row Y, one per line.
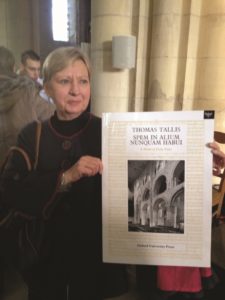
column 157, row 187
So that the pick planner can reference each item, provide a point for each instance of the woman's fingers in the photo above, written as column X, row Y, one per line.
column 86, row 166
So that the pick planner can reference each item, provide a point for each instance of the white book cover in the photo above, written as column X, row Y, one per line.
column 157, row 187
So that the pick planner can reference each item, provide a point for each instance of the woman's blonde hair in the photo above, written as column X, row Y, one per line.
column 60, row 58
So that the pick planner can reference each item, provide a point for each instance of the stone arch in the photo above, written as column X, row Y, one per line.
column 160, row 185
column 145, row 217
column 177, row 209
column 146, row 194
column 178, row 174
column 159, row 212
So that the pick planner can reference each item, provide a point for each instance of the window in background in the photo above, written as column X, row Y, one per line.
column 72, row 20
column 60, row 20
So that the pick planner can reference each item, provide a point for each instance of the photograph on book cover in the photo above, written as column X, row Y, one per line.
column 157, row 187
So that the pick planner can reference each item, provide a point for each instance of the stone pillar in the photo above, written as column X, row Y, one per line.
column 187, row 57
column 142, row 26
column 208, row 82
column 170, row 25
column 16, row 26
column 3, row 17
column 110, row 87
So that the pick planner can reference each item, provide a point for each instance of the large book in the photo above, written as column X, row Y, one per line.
column 157, row 187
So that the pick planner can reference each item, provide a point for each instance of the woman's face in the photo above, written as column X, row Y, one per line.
column 70, row 90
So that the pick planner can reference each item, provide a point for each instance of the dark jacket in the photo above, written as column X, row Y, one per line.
column 73, row 217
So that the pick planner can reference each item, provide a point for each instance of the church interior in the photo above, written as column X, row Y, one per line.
column 146, row 55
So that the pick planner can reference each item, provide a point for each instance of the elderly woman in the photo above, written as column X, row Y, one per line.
column 65, row 189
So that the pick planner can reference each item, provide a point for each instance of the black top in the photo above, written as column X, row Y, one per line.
column 73, row 226
column 62, row 143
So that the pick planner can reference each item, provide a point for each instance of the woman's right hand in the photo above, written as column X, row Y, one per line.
column 86, row 166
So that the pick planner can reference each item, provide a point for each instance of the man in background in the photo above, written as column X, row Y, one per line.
column 31, row 65
column 20, row 104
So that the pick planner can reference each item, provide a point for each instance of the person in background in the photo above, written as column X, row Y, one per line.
column 177, row 282
column 218, row 158
column 217, row 246
column 65, row 189
column 31, row 65
column 20, row 102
